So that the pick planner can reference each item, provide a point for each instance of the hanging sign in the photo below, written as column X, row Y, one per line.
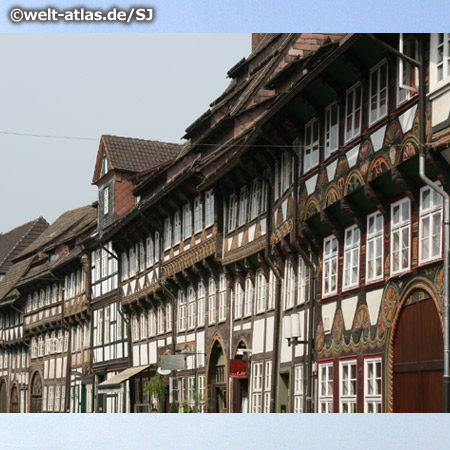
column 238, row 368
column 172, row 362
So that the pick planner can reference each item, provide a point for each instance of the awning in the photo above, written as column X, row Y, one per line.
column 116, row 381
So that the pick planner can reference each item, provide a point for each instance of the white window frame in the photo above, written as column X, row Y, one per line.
column 201, row 293
column 311, row 145
column 248, row 297
column 408, row 75
column 351, row 110
column 261, row 292
column 331, row 134
column 325, row 387
column 348, row 386
column 187, row 221
column 374, row 247
column 298, row 388
column 289, row 283
column 400, row 228
column 105, row 200
column 257, row 386
column 167, row 233
column 198, row 215
column 160, row 321
column 176, row 228
column 435, row 82
column 150, row 252
column 373, row 385
column 232, row 212
column 302, row 281
column 142, row 327
column 191, row 307
column 211, row 301
column 238, row 300
column 256, row 199
column 135, row 328
column 243, row 206
column 267, row 385
column 330, row 265
column 352, row 244
column 152, row 329
column 433, row 213
column 182, row 319
column 287, row 172
column 380, row 111
column 168, row 317
column 209, row 208
column 222, row 298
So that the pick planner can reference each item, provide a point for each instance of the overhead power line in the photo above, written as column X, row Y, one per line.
column 48, row 136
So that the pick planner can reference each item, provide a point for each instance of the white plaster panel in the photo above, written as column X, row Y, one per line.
column 153, row 353
column 144, row 355
column 328, row 311
column 263, row 226
column 161, row 342
column 373, row 299
column 240, row 237
column 136, row 359
column 286, row 351
column 176, row 252
column 237, row 328
column 310, row 184
column 52, row 369
column 247, row 326
column 190, row 337
column 141, row 282
column 251, row 233
column 378, row 137
column 348, row 311
column 59, row 368
column 440, row 108
column 181, row 339
column 46, row 370
column 133, row 285
column 269, row 334
column 169, row 340
column 352, row 156
column 406, row 119
column 331, row 170
column 229, row 241
column 119, row 351
column 258, row 337
column 284, row 206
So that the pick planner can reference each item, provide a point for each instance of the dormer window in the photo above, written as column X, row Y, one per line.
column 105, row 201
column 105, row 165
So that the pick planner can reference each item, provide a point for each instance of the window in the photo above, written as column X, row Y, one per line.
column 169, row 317
column 141, row 256
column 257, row 368
column 160, row 320
column 124, row 266
column 176, row 228
column 439, row 60
column 330, row 261
column 272, row 286
column 353, row 101
column 201, row 393
column 408, row 83
column 143, row 326
column 351, row 257
column 53, row 342
column 400, row 236
column 51, row 398
column 47, row 345
column 33, row 348
column 302, row 281
column 325, row 383
column 59, row 344
column 41, row 298
column 79, row 335
column 187, row 221
column 298, row 388
column 191, row 391
column 232, row 212
column 287, row 174
column 201, row 304
column 167, row 233
column 430, row 239
column 40, row 346
column 212, row 301
column 156, row 246
column 256, row 199
column 150, row 252
column 63, row 398
column 57, row 398
column 311, row 153
column 372, row 385
column 267, row 386
column 347, row 388
column 198, row 215
column 261, row 285
column 44, row 399
column 105, row 201
column 107, row 325
column 248, row 301
column 191, row 307
column 135, row 328
column 132, row 258
column 331, row 129
column 378, row 92
column 105, row 165
column 209, row 208
column 47, row 295
column 238, row 300
column 289, row 286
column 222, row 298
column 151, row 323
column 243, row 206
column 35, row 300
column 374, row 247
column 181, row 311
column 66, row 341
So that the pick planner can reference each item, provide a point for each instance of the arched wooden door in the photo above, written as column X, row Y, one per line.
column 217, row 387
column 14, row 400
column 418, row 357
column 3, row 397
column 36, row 394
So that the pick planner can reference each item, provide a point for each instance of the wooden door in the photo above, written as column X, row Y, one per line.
column 14, row 400
column 418, row 359
column 3, row 397
column 36, row 394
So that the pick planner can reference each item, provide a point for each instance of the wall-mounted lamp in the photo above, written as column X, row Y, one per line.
column 293, row 330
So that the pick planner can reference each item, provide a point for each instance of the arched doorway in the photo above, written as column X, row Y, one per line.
column 36, row 394
column 14, row 399
column 217, row 377
column 3, row 397
column 239, row 386
column 418, row 357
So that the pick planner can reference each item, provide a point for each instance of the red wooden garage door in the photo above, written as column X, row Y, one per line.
column 418, row 359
